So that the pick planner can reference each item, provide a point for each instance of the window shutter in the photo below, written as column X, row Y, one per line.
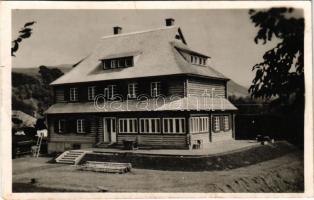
column 56, row 126
column 72, row 125
column 222, row 123
column 87, row 125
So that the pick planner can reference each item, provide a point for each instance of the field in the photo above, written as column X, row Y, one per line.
column 282, row 174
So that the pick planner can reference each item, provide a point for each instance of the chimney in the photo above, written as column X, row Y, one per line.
column 169, row 22
column 117, row 30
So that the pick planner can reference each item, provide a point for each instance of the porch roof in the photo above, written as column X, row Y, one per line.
column 192, row 103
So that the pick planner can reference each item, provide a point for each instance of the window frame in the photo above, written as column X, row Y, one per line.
column 224, row 122
column 172, row 126
column 157, row 126
column 214, row 123
column 60, row 128
column 122, row 129
column 91, row 96
column 111, row 89
column 80, row 126
column 156, row 91
column 132, row 89
column 73, row 94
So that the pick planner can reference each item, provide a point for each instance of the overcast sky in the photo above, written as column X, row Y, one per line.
column 66, row 36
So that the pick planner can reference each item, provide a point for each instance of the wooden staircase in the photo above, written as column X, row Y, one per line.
column 72, row 157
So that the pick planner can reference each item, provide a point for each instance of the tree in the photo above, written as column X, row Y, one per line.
column 281, row 74
column 25, row 32
column 49, row 74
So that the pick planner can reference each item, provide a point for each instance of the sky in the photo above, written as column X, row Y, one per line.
column 66, row 36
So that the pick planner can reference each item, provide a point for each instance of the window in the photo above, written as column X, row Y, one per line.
column 198, row 60
column 149, row 125
column 226, row 123
column 174, row 125
column 199, row 124
column 61, row 126
column 216, row 123
column 110, row 92
column 80, row 126
column 73, row 94
column 91, row 93
column 118, row 62
column 155, row 89
column 128, row 125
column 132, row 90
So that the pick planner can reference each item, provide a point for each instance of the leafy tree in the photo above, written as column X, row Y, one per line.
column 281, row 74
column 48, row 75
column 25, row 32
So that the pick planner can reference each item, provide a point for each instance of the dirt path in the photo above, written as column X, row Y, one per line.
column 283, row 174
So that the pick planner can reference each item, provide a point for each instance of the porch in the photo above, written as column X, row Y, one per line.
column 216, row 148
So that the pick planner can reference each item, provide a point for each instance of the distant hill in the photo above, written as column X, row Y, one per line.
column 235, row 89
column 33, row 71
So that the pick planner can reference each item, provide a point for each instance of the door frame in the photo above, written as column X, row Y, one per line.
column 112, row 135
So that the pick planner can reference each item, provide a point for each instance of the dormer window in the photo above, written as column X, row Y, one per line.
column 121, row 62
column 198, row 60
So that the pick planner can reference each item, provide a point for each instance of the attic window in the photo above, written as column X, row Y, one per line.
column 198, row 60
column 121, row 62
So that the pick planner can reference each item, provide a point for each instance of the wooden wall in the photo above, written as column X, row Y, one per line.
column 70, row 136
column 169, row 87
column 196, row 87
column 156, row 140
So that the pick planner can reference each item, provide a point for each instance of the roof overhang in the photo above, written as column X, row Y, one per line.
column 191, row 103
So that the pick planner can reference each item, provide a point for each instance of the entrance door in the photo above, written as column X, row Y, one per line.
column 110, row 130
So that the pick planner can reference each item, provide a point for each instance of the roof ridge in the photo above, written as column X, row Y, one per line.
column 139, row 32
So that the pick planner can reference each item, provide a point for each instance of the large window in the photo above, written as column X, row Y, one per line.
column 199, row 124
column 155, row 89
column 91, row 93
column 174, row 125
column 80, row 126
column 128, row 125
column 221, row 123
column 110, row 92
column 132, row 90
column 118, row 62
column 150, row 125
column 73, row 94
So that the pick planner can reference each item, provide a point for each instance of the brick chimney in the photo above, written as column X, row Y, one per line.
column 117, row 30
column 169, row 22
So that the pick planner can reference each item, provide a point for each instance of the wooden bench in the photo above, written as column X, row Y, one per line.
column 106, row 167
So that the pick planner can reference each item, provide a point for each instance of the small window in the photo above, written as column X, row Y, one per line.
column 73, row 94
column 226, row 123
column 91, row 93
column 128, row 125
column 61, row 126
column 118, row 62
column 132, row 90
column 150, row 125
column 174, row 125
column 80, row 126
column 110, row 92
column 155, row 89
column 216, row 123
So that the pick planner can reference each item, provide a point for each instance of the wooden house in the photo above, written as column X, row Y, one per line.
column 146, row 86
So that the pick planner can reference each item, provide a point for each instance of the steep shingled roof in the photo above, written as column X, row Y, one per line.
column 156, row 55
